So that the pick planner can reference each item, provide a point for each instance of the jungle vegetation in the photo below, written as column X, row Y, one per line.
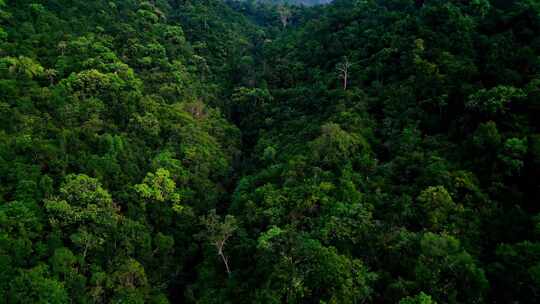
column 212, row 151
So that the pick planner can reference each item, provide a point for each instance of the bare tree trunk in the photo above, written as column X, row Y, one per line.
column 343, row 71
column 225, row 261
column 219, row 247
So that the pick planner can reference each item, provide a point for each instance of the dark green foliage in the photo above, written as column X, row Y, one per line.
column 268, row 152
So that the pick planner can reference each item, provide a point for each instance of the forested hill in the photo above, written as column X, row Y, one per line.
column 165, row 151
column 291, row 2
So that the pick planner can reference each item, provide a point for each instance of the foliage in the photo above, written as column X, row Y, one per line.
column 269, row 151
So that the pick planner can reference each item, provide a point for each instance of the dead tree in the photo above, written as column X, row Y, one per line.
column 284, row 15
column 343, row 69
column 218, row 233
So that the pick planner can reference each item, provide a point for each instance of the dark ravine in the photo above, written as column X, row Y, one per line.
column 243, row 152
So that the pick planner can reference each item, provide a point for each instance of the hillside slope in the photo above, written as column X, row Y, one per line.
column 297, row 2
column 238, row 152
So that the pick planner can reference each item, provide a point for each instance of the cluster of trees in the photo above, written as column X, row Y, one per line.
column 290, row 2
column 240, row 152
column 111, row 152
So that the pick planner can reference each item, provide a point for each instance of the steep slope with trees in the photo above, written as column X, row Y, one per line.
column 291, row 2
column 240, row 152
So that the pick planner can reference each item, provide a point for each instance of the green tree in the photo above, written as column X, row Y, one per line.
column 439, row 207
column 421, row 298
column 494, row 100
column 36, row 286
column 83, row 212
column 448, row 272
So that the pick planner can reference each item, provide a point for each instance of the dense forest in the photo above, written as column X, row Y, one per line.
column 223, row 151
column 290, row 2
